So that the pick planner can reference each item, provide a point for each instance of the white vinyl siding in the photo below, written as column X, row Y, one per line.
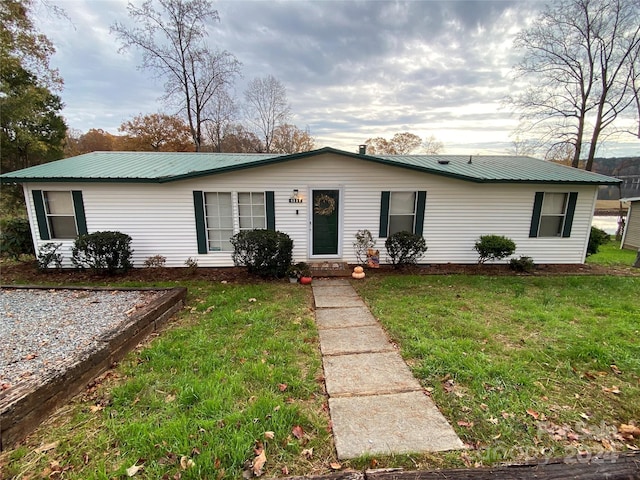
column 402, row 212
column 61, row 218
column 631, row 237
column 160, row 217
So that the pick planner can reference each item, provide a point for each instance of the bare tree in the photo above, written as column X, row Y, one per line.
column 578, row 60
column 221, row 112
column 266, row 107
column 432, row 146
column 172, row 41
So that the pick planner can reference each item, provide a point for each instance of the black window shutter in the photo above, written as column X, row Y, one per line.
column 537, row 211
column 384, row 214
column 270, row 210
column 201, row 232
column 571, row 210
column 41, row 215
column 78, row 208
column 420, row 206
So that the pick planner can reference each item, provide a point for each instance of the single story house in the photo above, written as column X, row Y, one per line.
column 631, row 235
column 187, row 205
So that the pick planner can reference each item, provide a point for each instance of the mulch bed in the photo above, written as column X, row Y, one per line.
column 27, row 273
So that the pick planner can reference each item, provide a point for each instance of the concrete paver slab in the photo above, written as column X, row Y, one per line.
column 344, row 317
column 339, row 341
column 322, row 282
column 367, row 374
column 326, row 301
column 337, row 291
column 387, row 424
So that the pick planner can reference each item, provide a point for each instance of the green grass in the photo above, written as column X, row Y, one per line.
column 611, row 255
column 207, row 388
column 492, row 351
column 496, row 352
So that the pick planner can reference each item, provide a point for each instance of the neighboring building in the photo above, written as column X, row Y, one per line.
column 631, row 235
column 188, row 205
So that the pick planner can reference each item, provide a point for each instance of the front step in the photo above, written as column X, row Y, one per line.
column 329, row 269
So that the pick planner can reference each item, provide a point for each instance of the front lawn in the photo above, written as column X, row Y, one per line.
column 522, row 366
column 239, row 365
column 611, row 255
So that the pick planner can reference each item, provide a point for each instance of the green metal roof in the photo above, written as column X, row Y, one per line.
column 161, row 167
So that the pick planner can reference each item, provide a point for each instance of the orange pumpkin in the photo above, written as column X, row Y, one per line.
column 358, row 275
column 305, row 280
column 358, row 269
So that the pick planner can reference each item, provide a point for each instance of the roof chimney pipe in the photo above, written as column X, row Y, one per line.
column 362, row 149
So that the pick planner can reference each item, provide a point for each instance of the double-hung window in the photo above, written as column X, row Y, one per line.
column 553, row 214
column 223, row 214
column 251, row 210
column 61, row 217
column 59, row 214
column 402, row 211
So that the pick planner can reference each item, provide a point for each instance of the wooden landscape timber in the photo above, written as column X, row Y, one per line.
column 609, row 466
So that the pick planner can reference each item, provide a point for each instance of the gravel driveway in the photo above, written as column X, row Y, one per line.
column 41, row 331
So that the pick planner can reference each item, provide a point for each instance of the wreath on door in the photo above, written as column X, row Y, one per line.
column 324, row 205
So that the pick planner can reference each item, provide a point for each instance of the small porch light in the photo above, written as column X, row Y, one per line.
column 295, row 196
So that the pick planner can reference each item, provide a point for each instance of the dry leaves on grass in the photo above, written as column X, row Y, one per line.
column 298, row 432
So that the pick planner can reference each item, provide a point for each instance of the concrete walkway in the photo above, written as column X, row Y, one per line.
column 376, row 405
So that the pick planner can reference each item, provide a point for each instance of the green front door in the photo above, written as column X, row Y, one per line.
column 326, row 206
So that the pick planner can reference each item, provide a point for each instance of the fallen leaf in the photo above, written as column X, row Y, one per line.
column 95, row 408
column 47, row 447
column 186, row 462
column 585, row 416
column 297, row 432
column 615, row 369
column 307, row 453
column 169, row 398
column 533, row 413
column 464, row 423
column 270, row 435
column 614, row 389
column 282, row 387
column 252, row 300
column 573, row 436
column 483, row 406
column 335, row 466
column 493, row 420
column 5, row 386
column 133, row 469
column 497, row 436
column 606, row 444
column 629, row 430
column 195, row 451
column 31, row 356
column 258, row 464
column 284, row 470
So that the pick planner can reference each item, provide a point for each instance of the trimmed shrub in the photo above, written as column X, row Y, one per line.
column 15, row 239
column 405, row 248
column 597, row 237
column 264, row 252
column 48, row 254
column 494, row 247
column 522, row 264
column 104, row 252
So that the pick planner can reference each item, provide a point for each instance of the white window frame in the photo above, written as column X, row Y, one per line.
column 415, row 208
column 562, row 215
column 49, row 215
column 235, row 215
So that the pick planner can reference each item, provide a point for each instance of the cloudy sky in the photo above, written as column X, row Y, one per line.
column 352, row 69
